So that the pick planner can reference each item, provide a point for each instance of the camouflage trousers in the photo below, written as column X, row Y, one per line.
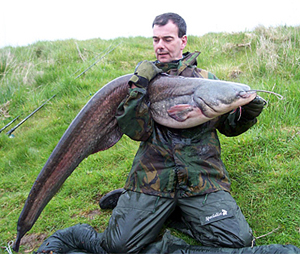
column 214, row 220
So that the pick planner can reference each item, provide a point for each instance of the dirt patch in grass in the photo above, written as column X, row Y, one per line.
column 32, row 241
column 88, row 214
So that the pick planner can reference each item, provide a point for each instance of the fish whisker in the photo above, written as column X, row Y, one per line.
column 279, row 96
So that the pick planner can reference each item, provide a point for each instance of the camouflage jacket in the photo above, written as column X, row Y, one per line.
column 186, row 161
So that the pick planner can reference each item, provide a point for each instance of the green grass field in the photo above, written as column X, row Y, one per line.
column 263, row 163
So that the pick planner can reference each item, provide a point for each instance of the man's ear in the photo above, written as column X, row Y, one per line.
column 183, row 42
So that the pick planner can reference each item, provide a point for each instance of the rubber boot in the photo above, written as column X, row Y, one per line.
column 110, row 200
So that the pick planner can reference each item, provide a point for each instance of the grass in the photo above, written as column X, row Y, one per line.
column 263, row 163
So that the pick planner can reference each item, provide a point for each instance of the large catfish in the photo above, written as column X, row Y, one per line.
column 175, row 102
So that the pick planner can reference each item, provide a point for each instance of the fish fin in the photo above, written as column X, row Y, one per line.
column 180, row 112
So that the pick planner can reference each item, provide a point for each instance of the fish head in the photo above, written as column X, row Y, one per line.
column 221, row 97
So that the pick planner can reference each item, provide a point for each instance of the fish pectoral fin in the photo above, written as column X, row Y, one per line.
column 181, row 112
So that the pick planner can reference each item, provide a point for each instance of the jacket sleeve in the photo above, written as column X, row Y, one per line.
column 133, row 115
column 234, row 124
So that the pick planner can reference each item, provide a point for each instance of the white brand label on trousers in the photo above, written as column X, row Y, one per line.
column 223, row 213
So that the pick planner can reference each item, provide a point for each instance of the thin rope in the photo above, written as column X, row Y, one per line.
column 8, row 247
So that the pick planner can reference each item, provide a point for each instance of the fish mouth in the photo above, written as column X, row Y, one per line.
column 246, row 94
column 202, row 104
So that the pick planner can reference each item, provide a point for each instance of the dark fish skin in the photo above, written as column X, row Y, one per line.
column 94, row 129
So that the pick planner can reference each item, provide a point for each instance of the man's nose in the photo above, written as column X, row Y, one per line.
column 161, row 44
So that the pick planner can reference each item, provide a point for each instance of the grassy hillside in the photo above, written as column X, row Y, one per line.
column 263, row 163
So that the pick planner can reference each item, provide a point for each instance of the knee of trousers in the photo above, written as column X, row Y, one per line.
column 120, row 245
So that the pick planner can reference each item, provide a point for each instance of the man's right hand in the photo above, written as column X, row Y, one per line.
column 253, row 108
column 143, row 74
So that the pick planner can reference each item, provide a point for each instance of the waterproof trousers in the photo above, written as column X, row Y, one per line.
column 214, row 220
column 83, row 239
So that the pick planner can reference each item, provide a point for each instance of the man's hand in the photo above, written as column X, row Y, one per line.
column 144, row 73
column 253, row 108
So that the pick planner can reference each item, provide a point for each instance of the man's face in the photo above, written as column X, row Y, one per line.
column 167, row 45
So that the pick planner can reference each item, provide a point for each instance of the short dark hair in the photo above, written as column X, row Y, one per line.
column 163, row 19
